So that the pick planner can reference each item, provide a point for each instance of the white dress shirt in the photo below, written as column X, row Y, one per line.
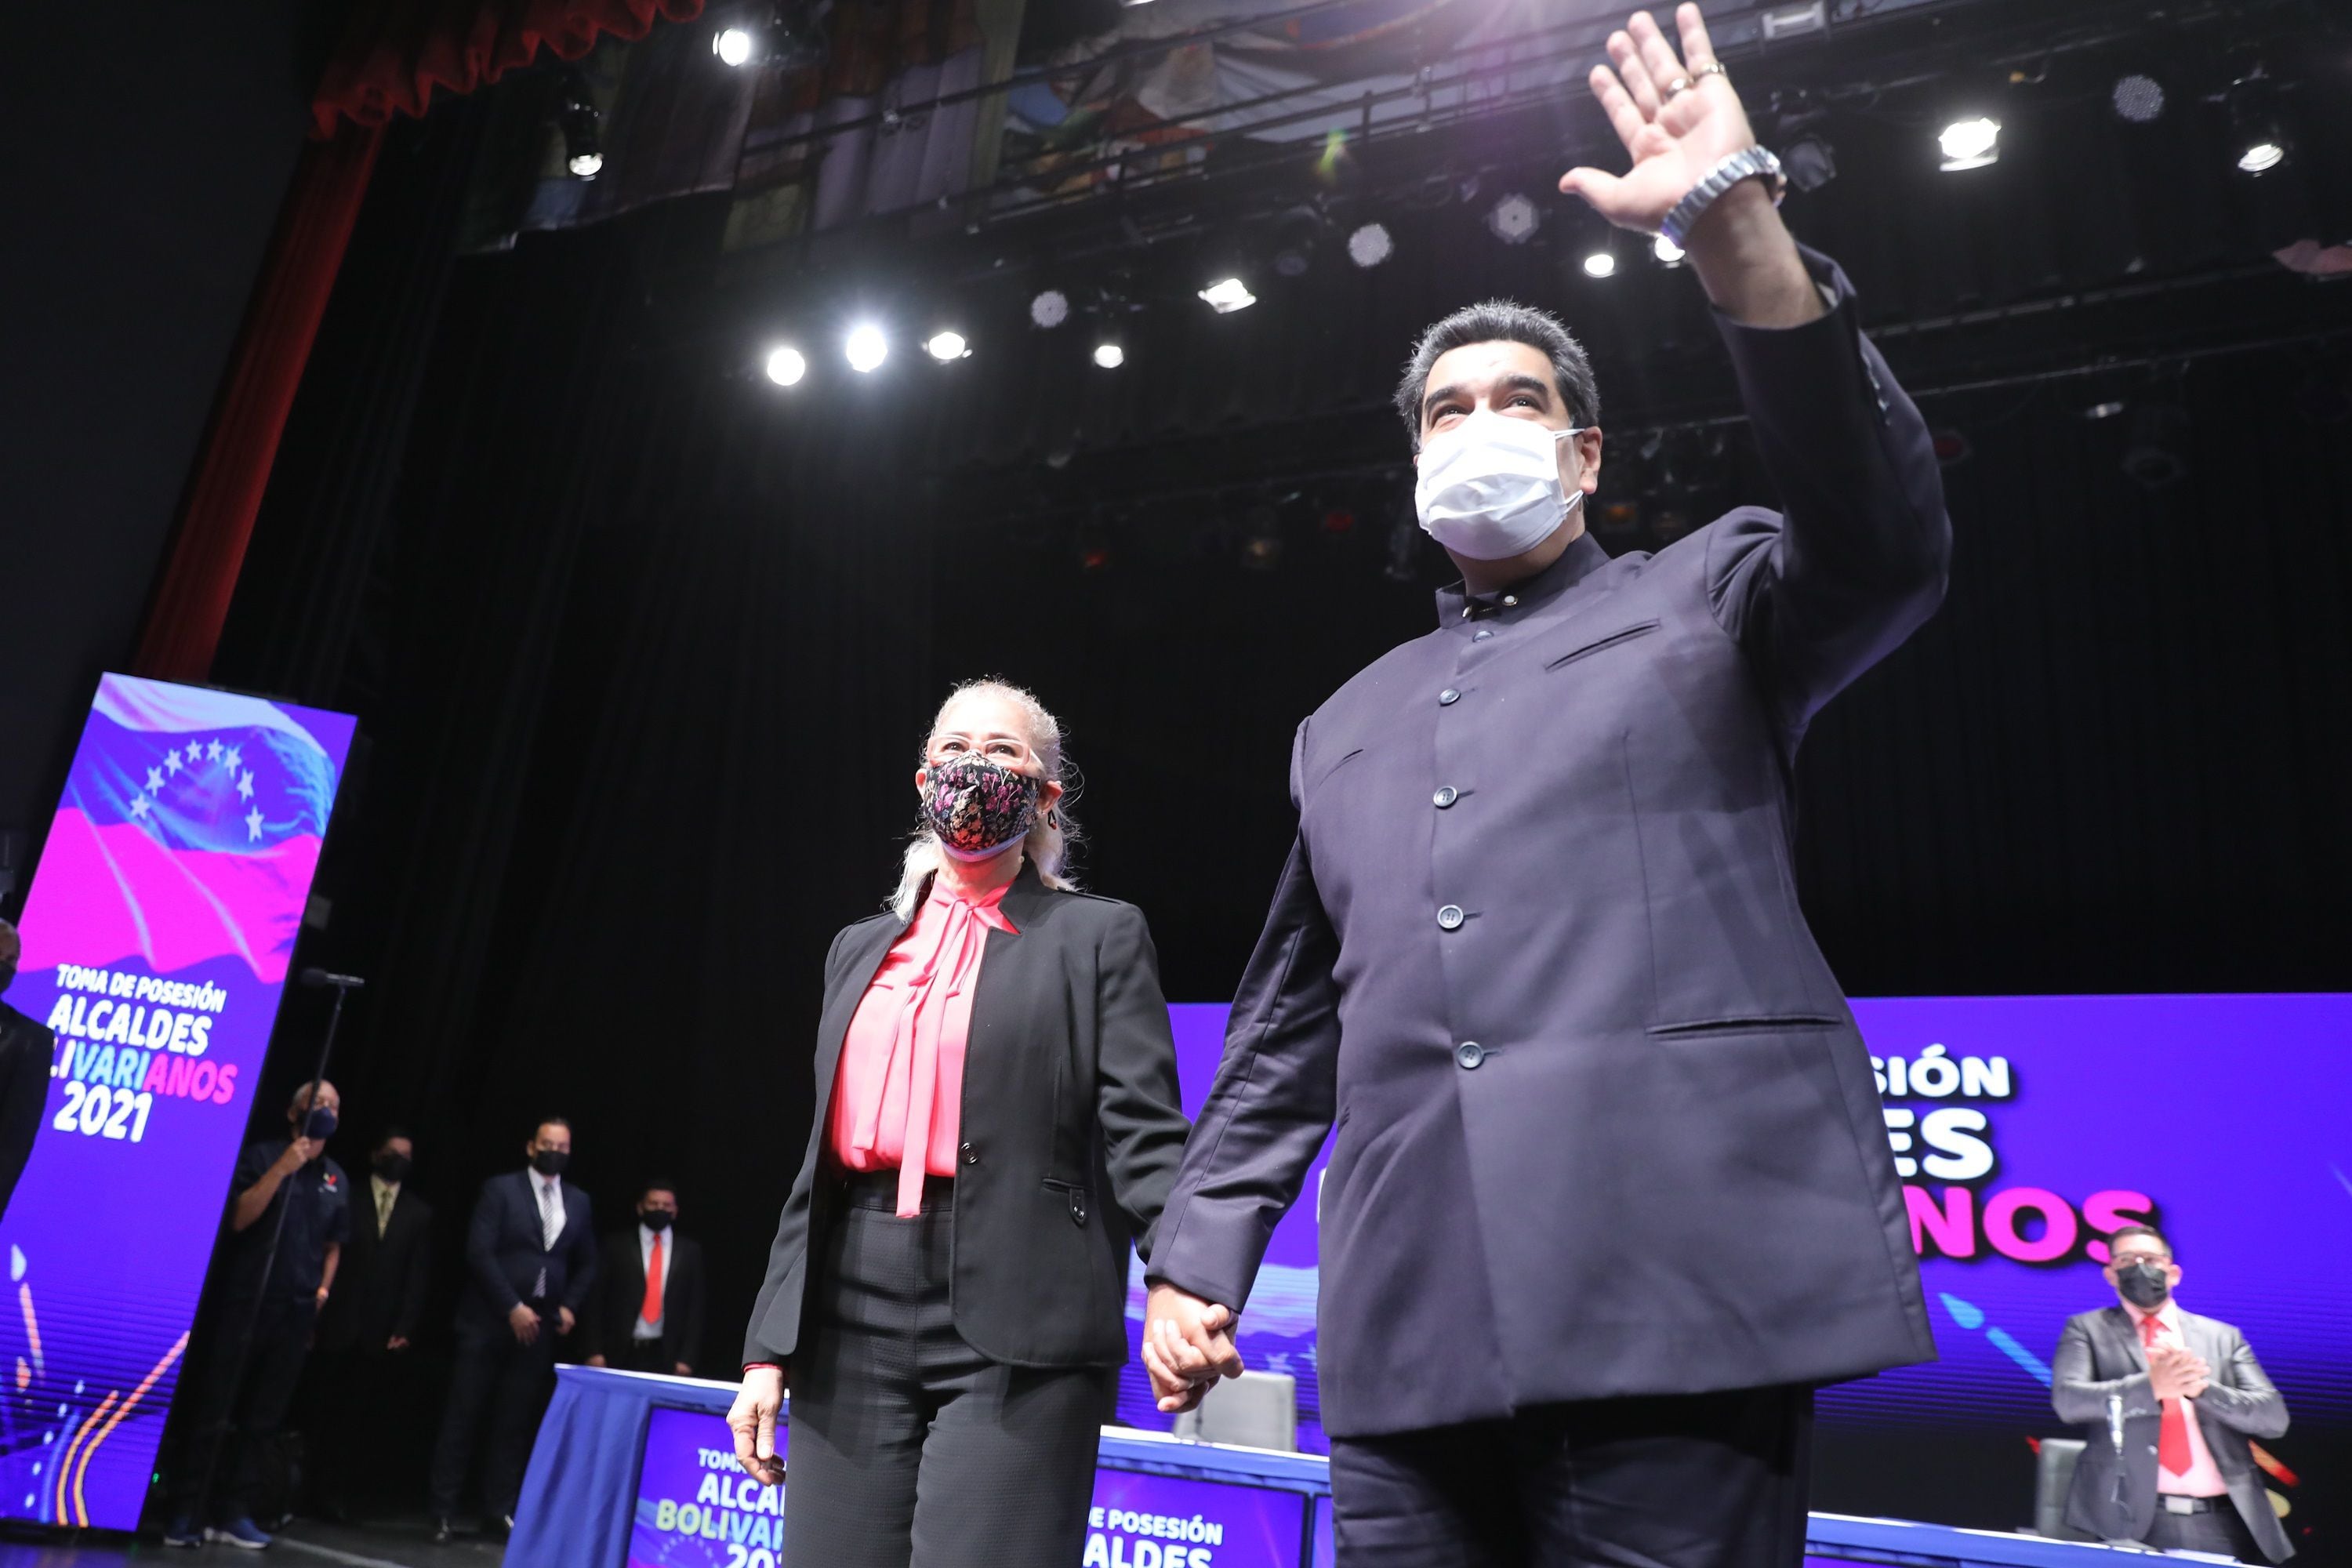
column 2204, row 1476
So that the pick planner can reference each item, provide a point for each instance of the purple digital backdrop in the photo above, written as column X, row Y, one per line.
column 2022, row 1127
column 157, row 934
column 696, row 1509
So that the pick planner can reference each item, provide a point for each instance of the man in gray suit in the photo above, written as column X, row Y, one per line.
column 1610, row 1191
column 2170, row 1402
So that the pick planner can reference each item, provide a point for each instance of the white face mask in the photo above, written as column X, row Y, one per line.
column 1490, row 489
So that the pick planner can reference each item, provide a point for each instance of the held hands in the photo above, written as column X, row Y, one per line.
column 1677, row 118
column 753, row 1421
column 524, row 1322
column 2175, row 1371
column 1188, row 1344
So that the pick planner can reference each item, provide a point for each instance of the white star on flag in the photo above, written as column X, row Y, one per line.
column 244, row 788
column 253, row 824
column 212, row 752
column 138, row 805
column 154, row 781
column 172, row 763
column 234, row 758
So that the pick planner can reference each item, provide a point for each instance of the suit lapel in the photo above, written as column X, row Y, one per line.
column 859, row 970
column 2124, row 1334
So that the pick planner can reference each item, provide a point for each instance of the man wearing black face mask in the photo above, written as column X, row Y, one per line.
column 369, row 1326
column 531, row 1263
column 2170, row 1402
column 646, row 1314
column 275, row 1271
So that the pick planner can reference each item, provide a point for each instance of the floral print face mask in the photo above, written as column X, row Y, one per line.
column 977, row 806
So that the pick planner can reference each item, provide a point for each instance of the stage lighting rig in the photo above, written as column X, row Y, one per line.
column 1110, row 355
column 865, row 348
column 789, row 37
column 2155, row 457
column 1668, row 253
column 2258, row 141
column 946, row 346
column 1809, row 160
column 1970, row 143
column 584, row 152
column 1602, row 263
column 1298, row 234
column 1227, row 295
column 1049, row 308
column 1370, row 245
column 786, row 367
column 1514, row 219
column 2137, row 98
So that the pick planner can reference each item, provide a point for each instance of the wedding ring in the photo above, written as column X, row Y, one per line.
column 1681, row 84
column 1711, row 68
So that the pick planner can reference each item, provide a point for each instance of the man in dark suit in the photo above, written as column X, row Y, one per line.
column 1610, row 1191
column 358, row 1370
column 2168, row 1403
column 28, row 1051
column 646, row 1312
column 530, row 1262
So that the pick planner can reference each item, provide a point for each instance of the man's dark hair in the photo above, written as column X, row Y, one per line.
column 1502, row 321
column 657, row 1184
column 562, row 1122
column 2147, row 1230
column 389, row 1133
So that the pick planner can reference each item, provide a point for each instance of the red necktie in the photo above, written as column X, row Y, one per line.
column 2172, row 1438
column 652, row 1313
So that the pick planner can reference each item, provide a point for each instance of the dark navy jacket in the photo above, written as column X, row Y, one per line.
column 1605, row 1124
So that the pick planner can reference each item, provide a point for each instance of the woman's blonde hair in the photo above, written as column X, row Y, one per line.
column 1050, row 838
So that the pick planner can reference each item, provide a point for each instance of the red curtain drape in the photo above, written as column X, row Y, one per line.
column 393, row 53
column 199, row 575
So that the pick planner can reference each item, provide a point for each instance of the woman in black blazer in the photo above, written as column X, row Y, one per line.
column 952, row 1336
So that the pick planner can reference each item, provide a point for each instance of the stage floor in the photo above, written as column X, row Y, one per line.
column 400, row 1544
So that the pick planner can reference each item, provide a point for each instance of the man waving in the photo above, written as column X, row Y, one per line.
column 1611, row 1192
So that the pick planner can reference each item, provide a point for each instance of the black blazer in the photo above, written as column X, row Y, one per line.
column 1071, row 1131
column 28, row 1051
column 380, row 1283
column 620, row 1295
column 504, row 1252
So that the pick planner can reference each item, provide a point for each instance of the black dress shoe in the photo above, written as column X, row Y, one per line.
column 443, row 1533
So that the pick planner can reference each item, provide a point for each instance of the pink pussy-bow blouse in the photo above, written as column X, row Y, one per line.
column 898, row 1098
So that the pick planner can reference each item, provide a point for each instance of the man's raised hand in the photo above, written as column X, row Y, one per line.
column 1678, row 118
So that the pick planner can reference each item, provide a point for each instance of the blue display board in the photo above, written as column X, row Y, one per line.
column 2023, row 1129
column 157, row 935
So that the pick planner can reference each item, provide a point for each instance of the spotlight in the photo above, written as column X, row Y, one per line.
column 1970, row 143
column 732, row 46
column 2260, row 141
column 1809, row 162
column 1370, row 246
column 1050, row 309
column 583, row 153
column 2260, row 157
column 785, row 366
column 1514, row 219
column 866, row 349
column 1295, row 237
column 1111, row 356
column 2137, row 98
column 945, row 346
column 789, row 36
column 1666, row 250
column 1600, row 264
column 1227, row 295
column 2107, row 409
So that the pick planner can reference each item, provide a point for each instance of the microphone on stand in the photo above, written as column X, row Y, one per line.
column 315, row 977
column 2115, row 1436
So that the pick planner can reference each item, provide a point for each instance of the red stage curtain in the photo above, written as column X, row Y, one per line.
column 395, row 52
column 199, row 575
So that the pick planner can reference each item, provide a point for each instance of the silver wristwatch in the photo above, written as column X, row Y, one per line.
column 1748, row 163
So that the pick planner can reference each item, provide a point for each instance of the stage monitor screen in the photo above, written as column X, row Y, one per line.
column 2023, row 1129
column 696, row 1508
column 157, row 934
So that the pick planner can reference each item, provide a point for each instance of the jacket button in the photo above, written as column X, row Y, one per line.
column 970, row 1155
column 1450, row 916
column 1448, row 698
column 1469, row 1053
column 1481, row 635
column 1078, row 1209
column 1445, row 798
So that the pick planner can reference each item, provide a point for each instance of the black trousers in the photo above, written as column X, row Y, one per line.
column 908, row 1447
column 356, row 1399
column 510, row 1380
column 640, row 1355
column 1711, row 1481
column 2221, row 1531
column 239, row 1414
